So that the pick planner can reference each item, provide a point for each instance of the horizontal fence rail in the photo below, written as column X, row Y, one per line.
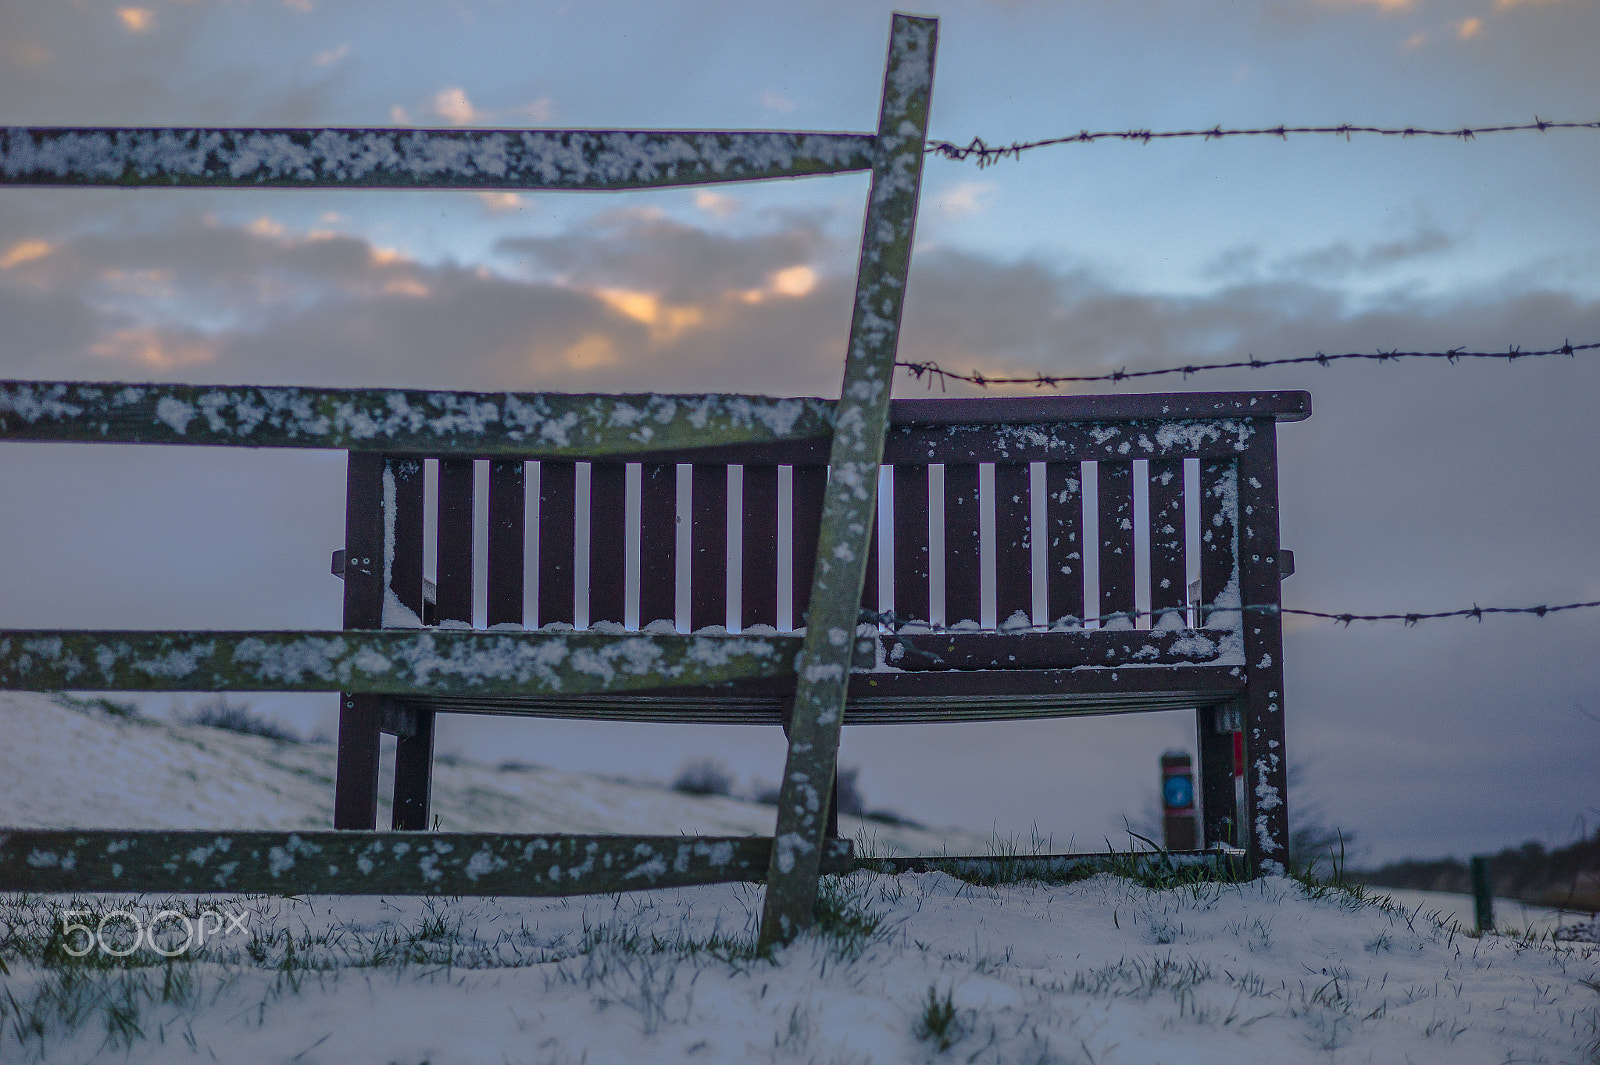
column 419, row 158
column 399, row 421
column 385, row 661
column 379, row 863
column 570, row 425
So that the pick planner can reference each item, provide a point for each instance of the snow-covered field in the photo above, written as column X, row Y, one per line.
column 909, row 968
column 68, row 768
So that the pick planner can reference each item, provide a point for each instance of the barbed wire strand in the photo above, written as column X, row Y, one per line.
column 1040, row 379
column 987, row 155
column 1410, row 618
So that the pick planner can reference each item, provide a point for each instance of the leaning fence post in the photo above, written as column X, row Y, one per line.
column 1482, row 895
column 850, row 507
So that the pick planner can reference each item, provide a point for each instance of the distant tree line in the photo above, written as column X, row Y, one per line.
column 1567, row 877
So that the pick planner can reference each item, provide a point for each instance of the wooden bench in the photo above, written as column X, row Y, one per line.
column 982, row 657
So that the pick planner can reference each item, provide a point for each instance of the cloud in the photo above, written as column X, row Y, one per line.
column 1340, row 261
column 500, row 202
column 794, row 281
column 153, row 349
column 965, row 197
column 452, row 105
column 716, row 204
column 399, row 116
column 541, row 110
column 136, row 19
column 777, row 102
column 1382, row 5
column 331, row 56
column 1469, row 28
column 23, row 251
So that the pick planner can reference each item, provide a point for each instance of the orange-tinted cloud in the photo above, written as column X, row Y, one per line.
column 23, row 251
column 136, row 19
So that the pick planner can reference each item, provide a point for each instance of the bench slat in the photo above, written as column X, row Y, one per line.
column 403, row 484
column 396, row 421
column 608, row 542
column 385, row 661
column 1219, row 537
column 708, row 546
column 658, row 543
column 508, row 520
column 759, row 558
column 558, row 508
column 869, row 583
column 1013, row 548
column 963, row 583
column 453, row 546
column 1064, row 540
column 806, row 492
column 911, row 543
column 1168, row 539
column 419, row 158
column 1115, row 483
column 378, row 863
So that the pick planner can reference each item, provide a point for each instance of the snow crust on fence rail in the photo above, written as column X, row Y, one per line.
column 479, row 423
column 376, row 863
column 420, row 158
column 396, row 661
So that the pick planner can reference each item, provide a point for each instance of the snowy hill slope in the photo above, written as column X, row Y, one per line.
column 66, row 766
column 915, row 968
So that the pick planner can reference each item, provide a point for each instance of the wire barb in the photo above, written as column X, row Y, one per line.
column 985, row 155
column 1040, row 379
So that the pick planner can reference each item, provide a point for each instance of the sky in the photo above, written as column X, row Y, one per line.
column 1413, row 487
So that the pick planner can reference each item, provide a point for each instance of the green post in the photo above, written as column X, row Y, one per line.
column 1482, row 896
column 850, row 507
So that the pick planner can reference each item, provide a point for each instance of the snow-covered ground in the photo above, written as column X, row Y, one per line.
column 909, row 968
column 70, row 768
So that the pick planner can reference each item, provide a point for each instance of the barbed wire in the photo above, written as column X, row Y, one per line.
column 1040, row 379
column 1411, row 618
column 987, row 155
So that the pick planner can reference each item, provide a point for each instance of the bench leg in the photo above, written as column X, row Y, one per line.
column 355, row 788
column 1265, row 817
column 413, row 775
column 1219, row 818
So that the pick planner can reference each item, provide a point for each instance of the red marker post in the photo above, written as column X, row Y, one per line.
column 1177, row 801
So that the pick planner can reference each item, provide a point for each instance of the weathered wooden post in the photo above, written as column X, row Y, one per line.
column 851, row 505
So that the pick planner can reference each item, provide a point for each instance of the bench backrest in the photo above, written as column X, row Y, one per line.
column 1011, row 470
